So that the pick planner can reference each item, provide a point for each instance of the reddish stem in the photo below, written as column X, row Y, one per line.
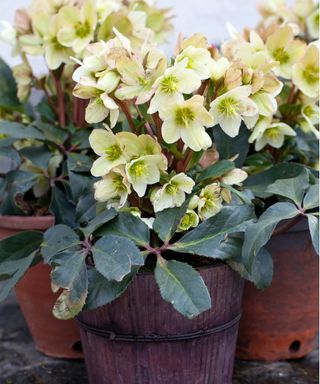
column 60, row 95
column 126, row 111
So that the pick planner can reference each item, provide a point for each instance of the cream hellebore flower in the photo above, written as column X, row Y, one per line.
column 218, row 68
column 189, row 220
column 234, row 177
column 110, row 149
column 310, row 113
column 305, row 73
column 176, row 80
column 113, row 188
column 145, row 171
column 210, row 201
column 229, row 109
column 136, row 80
column 266, row 132
column 282, row 47
column 198, row 60
column 8, row 34
column 24, row 77
column 313, row 24
column 173, row 193
column 78, row 25
column 187, row 119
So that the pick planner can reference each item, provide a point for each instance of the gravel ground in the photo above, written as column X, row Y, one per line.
column 21, row 364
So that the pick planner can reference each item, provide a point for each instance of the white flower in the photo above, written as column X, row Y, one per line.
column 145, row 171
column 218, row 68
column 210, row 201
column 189, row 220
column 198, row 60
column 231, row 108
column 173, row 193
column 187, row 120
column 234, row 177
column 176, row 80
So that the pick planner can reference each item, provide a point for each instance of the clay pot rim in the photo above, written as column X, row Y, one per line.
column 26, row 222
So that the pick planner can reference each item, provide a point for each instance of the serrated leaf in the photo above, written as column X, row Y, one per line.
column 209, row 235
column 8, row 88
column 65, row 308
column 10, row 153
column 114, row 255
column 259, row 233
column 313, row 222
column 216, row 170
column 101, row 219
column 183, row 287
column 129, row 226
column 58, row 239
column 103, row 291
column 38, row 155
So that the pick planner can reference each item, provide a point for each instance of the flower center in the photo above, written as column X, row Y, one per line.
column 169, row 85
column 272, row 133
column 227, row 106
column 281, row 55
column 138, row 168
column 311, row 75
column 172, row 188
column 117, row 182
column 82, row 29
column 184, row 116
column 187, row 221
column 113, row 153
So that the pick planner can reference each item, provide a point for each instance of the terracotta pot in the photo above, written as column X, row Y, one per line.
column 51, row 336
column 141, row 339
column 282, row 321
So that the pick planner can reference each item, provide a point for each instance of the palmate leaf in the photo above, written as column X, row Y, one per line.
column 65, row 308
column 129, row 226
column 8, row 88
column 183, row 287
column 311, row 199
column 208, row 236
column 19, row 131
column 258, row 234
column 114, row 256
column 62, row 208
column 101, row 219
column 39, row 155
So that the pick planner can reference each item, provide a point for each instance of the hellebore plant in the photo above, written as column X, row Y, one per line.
column 197, row 160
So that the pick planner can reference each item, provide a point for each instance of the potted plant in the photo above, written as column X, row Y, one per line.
column 282, row 321
column 48, row 143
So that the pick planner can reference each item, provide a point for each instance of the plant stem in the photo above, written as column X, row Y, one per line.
column 291, row 94
column 126, row 111
column 60, row 95
column 147, row 125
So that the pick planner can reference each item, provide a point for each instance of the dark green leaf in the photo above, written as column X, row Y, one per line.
column 19, row 131
column 216, row 170
column 103, row 291
column 101, row 219
column 311, row 199
column 183, row 287
column 127, row 225
column 114, row 255
column 51, row 133
column 167, row 221
column 262, row 269
column 313, row 222
column 86, row 208
column 258, row 183
column 259, row 233
column 57, row 239
column 38, row 155
column 208, row 236
column 11, row 154
column 229, row 147
column 294, row 188
column 8, row 88
column 62, row 208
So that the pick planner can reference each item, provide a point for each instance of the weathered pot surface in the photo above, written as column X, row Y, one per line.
column 282, row 321
column 141, row 339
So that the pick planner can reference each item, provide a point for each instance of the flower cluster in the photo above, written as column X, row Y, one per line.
column 61, row 29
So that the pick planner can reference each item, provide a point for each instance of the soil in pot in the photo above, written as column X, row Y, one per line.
column 282, row 321
column 139, row 338
column 51, row 336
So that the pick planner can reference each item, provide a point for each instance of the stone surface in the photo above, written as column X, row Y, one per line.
column 21, row 364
